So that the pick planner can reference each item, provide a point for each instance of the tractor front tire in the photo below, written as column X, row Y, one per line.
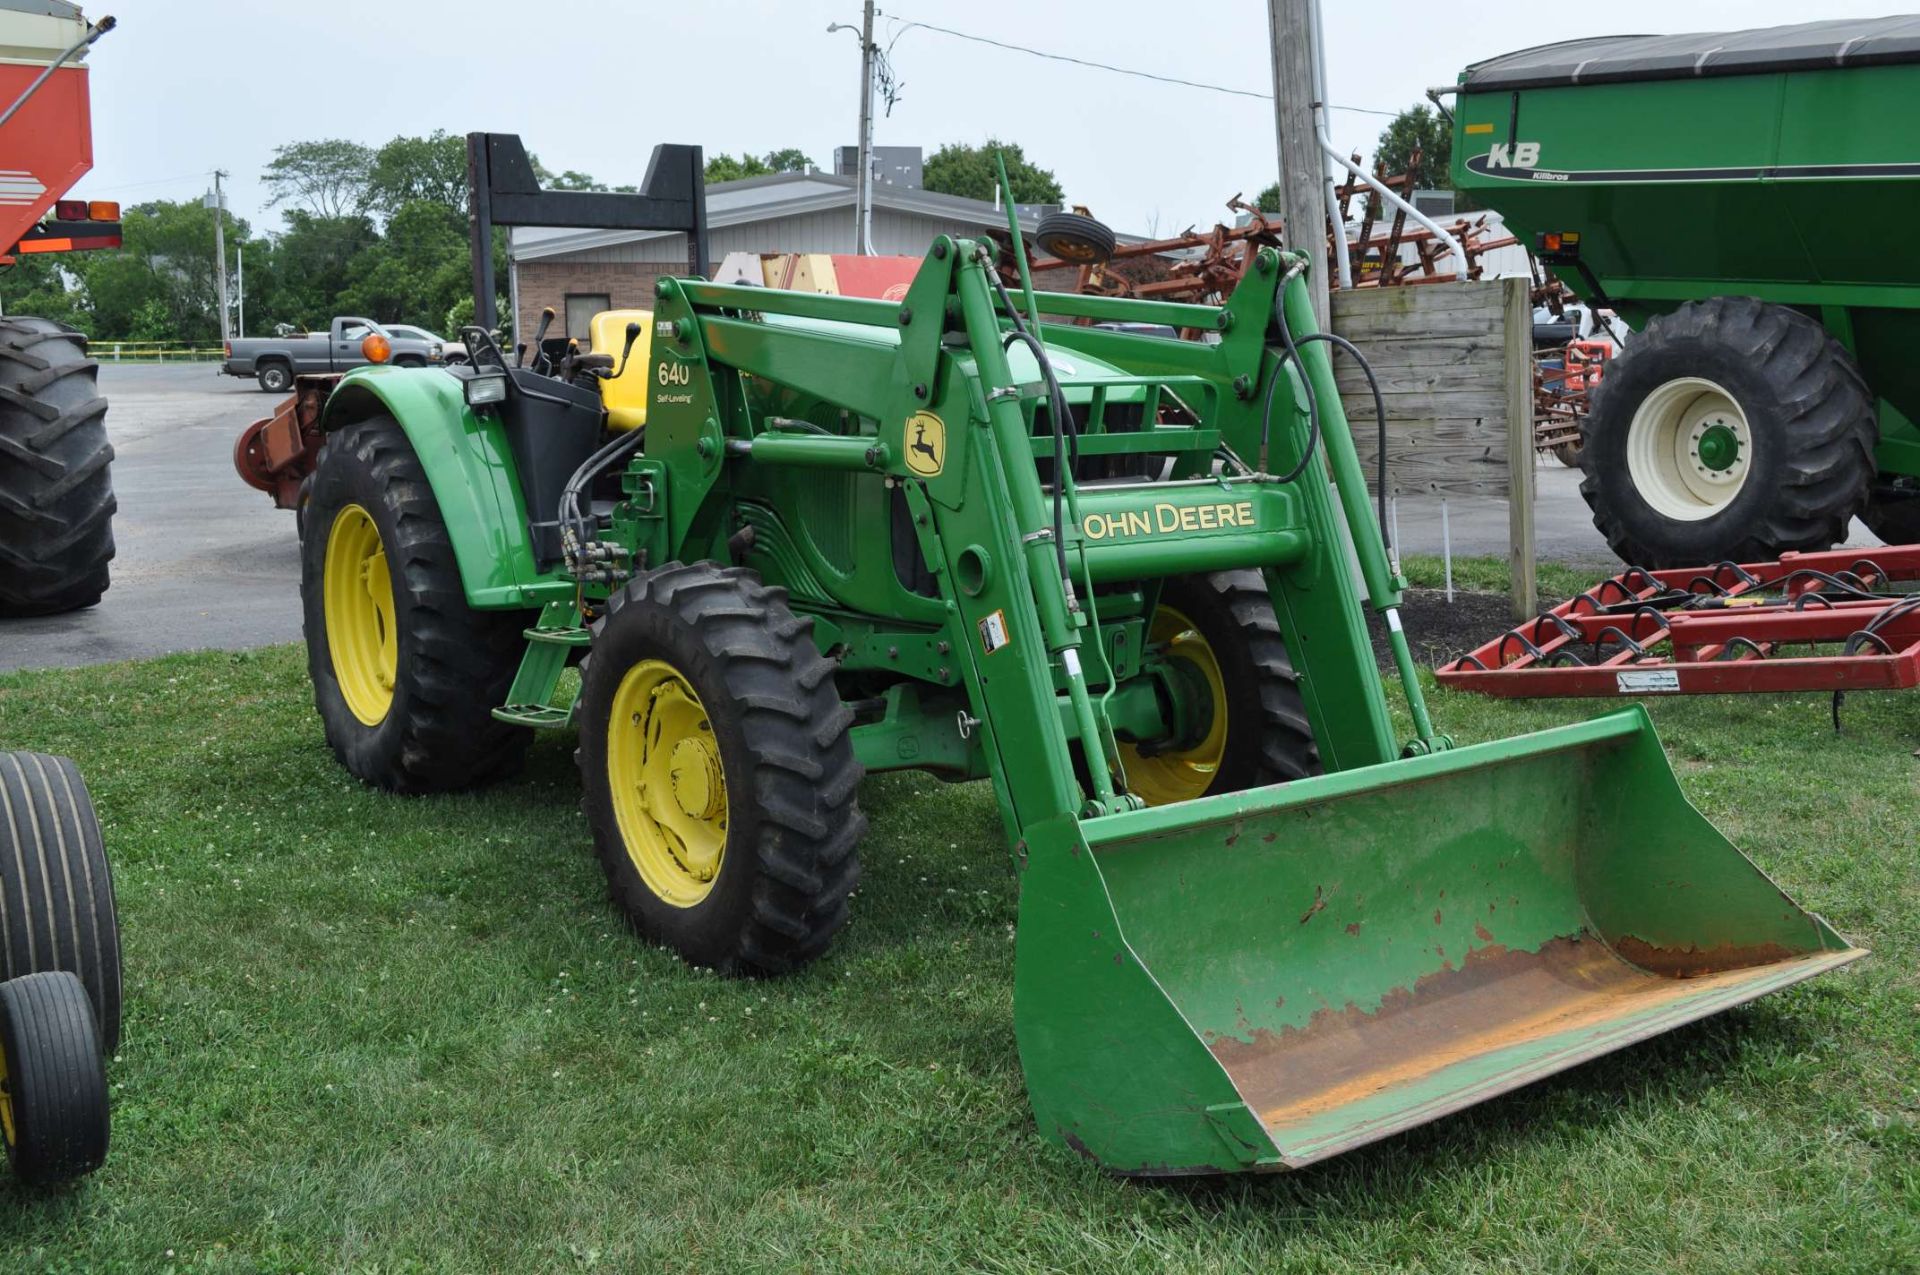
column 1224, row 625
column 1729, row 429
column 53, row 1079
column 56, row 494
column 56, row 891
column 405, row 674
column 719, row 775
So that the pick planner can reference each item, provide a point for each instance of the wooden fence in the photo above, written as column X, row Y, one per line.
column 1454, row 363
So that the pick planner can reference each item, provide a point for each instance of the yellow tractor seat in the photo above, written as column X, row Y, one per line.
column 624, row 396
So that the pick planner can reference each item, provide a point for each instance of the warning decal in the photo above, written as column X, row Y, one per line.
column 993, row 631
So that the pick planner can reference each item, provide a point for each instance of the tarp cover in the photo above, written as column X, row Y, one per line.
column 1805, row 46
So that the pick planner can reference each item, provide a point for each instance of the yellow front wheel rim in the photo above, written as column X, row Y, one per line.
column 668, row 785
column 1165, row 778
column 357, row 590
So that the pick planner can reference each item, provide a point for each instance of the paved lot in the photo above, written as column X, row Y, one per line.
column 202, row 560
column 206, row 562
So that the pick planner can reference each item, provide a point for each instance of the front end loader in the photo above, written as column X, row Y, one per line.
column 1102, row 570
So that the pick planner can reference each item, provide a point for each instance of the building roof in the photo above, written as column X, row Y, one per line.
column 753, row 199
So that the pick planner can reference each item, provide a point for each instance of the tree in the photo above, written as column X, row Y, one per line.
column 1269, row 200
column 968, row 171
column 431, row 168
column 725, row 168
column 327, row 178
column 790, row 160
column 1416, row 128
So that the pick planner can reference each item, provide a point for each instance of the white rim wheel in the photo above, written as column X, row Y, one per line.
column 1689, row 449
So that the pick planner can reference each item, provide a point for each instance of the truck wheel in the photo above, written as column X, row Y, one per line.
column 56, row 891
column 274, row 378
column 1730, row 429
column 1893, row 512
column 405, row 674
column 1223, row 627
column 719, row 774
column 53, row 1081
column 56, row 495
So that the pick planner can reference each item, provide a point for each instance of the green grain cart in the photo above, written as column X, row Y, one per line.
column 793, row 539
column 1744, row 200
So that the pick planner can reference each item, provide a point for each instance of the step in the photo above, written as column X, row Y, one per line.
column 560, row 637
column 533, row 715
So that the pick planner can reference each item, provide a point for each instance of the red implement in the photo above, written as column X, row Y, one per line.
column 1844, row 620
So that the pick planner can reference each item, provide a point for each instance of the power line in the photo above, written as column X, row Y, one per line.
column 908, row 25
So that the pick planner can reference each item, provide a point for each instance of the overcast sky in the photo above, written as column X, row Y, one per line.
column 186, row 86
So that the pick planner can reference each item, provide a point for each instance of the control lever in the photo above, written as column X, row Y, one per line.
column 546, row 321
column 626, row 351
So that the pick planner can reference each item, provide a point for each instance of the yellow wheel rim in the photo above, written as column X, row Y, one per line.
column 6, row 1101
column 357, row 593
column 1165, row 778
column 668, row 784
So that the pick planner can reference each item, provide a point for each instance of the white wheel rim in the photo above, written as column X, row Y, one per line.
column 1689, row 449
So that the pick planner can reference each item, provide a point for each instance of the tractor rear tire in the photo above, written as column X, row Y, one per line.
column 1268, row 739
column 53, row 1111
column 1785, row 438
column 704, row 693
column 407, row 705
column 56, row 494
column 1893, row 512
column 56, row 890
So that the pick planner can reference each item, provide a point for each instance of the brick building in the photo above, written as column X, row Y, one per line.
column 579, row 272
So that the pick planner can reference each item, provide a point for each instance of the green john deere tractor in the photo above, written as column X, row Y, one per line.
column 1103, row 571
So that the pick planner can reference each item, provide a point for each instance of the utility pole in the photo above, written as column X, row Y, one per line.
column 864, row 188
column 1303, row 169
column 240, row 291
column 219, row 203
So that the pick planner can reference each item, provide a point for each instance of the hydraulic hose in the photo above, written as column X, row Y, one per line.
column 1292, row 355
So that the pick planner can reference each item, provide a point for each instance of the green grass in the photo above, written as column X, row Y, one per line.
column 374, row 1034
column 1489, row 574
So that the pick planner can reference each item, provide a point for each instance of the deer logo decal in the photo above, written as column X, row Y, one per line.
column 926, row 440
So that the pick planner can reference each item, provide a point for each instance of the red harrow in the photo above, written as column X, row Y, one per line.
column 1844, row 620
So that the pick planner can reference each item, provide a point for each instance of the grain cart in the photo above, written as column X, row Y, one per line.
column 56, row 497
column 1742, row 199
column 1103, row 571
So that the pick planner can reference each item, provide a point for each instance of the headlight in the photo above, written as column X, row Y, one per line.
column 488, row 387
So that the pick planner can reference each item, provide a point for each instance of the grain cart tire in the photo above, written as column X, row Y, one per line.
column 1223, row 625
column 719, row 775
column 405, row 674
column 53, row 1079
column 56, row 494
column 1893, row 512
column 56, row 891
column 1567, row 454
column 1729, row 429
column 274, row 377
column 1074, row 238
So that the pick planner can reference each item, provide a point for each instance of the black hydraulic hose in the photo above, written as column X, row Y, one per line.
column 1379, row 419
column 1057, row 415
column 1292, row 355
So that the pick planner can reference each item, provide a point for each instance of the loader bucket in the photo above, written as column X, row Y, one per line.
column 1267, row 978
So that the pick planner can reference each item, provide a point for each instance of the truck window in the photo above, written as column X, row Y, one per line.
column 354, row 331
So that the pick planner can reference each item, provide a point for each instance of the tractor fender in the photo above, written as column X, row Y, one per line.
column 470, row 468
